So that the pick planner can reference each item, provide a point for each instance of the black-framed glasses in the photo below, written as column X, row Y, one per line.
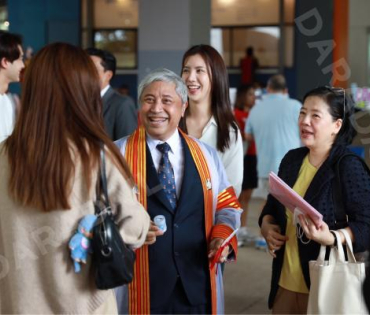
column 338, row 91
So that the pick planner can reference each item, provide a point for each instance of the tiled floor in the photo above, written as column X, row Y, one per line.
column 247, row 282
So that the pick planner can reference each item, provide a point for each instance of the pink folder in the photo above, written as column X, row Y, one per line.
column 290, row 199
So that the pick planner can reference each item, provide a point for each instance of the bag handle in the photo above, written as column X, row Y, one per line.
column 336, row 253
column 350, row 255
column 338, row 249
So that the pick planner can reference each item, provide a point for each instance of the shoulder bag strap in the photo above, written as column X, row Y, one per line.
column 340, row 213
column 101, row 185
column 103, row 176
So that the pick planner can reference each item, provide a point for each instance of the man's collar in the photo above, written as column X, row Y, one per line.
column 276, row 95
column 210, row 122
column 174, row 141
column 103, row 91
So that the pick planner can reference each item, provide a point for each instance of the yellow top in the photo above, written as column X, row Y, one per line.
column 291, row 275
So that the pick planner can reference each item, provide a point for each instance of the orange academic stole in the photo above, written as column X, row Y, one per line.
column 139, row 294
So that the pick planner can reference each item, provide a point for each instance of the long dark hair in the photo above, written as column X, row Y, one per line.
column 61, row 110
column 220, row 99
column 341, row 106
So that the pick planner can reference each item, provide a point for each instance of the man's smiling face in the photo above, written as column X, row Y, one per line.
column 161, row 109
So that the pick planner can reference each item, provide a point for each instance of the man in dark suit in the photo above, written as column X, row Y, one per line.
column 183, row 180
column 119, row 112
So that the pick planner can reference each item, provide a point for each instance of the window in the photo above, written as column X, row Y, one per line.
column 120, row 42
column 254, row 23
column 265, row 41
column 112, row 25
column 237, row 24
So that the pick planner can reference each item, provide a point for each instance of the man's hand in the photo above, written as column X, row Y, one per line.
column 153, row 232
column 214, row 246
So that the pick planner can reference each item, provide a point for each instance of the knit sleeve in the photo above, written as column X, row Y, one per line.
column 132, row 218
column 355, row 181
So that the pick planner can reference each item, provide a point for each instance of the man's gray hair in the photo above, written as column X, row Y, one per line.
column 164, row 75
column 277, row 83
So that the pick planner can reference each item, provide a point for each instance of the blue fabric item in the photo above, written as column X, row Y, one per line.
column 273, row 122
column 166, row 175
column 359, row 150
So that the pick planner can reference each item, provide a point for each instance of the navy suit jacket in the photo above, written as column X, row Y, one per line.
column 119, row 114
column 181, row 253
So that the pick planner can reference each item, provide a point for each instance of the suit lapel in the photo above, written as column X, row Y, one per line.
column 154, row 187
column 188, row 177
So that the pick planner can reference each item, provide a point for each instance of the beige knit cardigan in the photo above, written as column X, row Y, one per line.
column 36, row 271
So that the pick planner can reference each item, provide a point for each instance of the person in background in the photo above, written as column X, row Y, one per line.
column 48, row 176
column 245, row 100
column 11, row 65
column 326, row 128
column 123, row 89
column 119, row 113
column 209, row 116
column 182, row 179
column 248, row 66
column 272, row 124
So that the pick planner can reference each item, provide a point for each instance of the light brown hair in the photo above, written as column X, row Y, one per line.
column 61, row 109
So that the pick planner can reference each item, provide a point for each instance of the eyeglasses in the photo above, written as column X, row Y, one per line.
column 339, row 91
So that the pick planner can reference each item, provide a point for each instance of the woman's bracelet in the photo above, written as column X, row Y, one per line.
column 335, row 239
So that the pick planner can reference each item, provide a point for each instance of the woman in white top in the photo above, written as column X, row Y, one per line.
column 209, row 116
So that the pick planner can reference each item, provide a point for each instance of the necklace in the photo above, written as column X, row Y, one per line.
column 317, row 165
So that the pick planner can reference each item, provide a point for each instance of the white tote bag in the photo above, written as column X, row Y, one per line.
column 336, row 285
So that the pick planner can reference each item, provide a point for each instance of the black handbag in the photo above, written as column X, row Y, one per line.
column 112, row 258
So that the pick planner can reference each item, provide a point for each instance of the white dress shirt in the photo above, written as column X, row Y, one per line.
column 103, row 91
column 7, row 117
column 232, row 158
column 176, row 156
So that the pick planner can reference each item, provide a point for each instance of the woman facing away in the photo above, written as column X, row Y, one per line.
column 245, row 100
column 209, row 116
column 48, row 174
column 325, row 130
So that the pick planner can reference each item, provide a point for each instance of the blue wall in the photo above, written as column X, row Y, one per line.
column 41, row 22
